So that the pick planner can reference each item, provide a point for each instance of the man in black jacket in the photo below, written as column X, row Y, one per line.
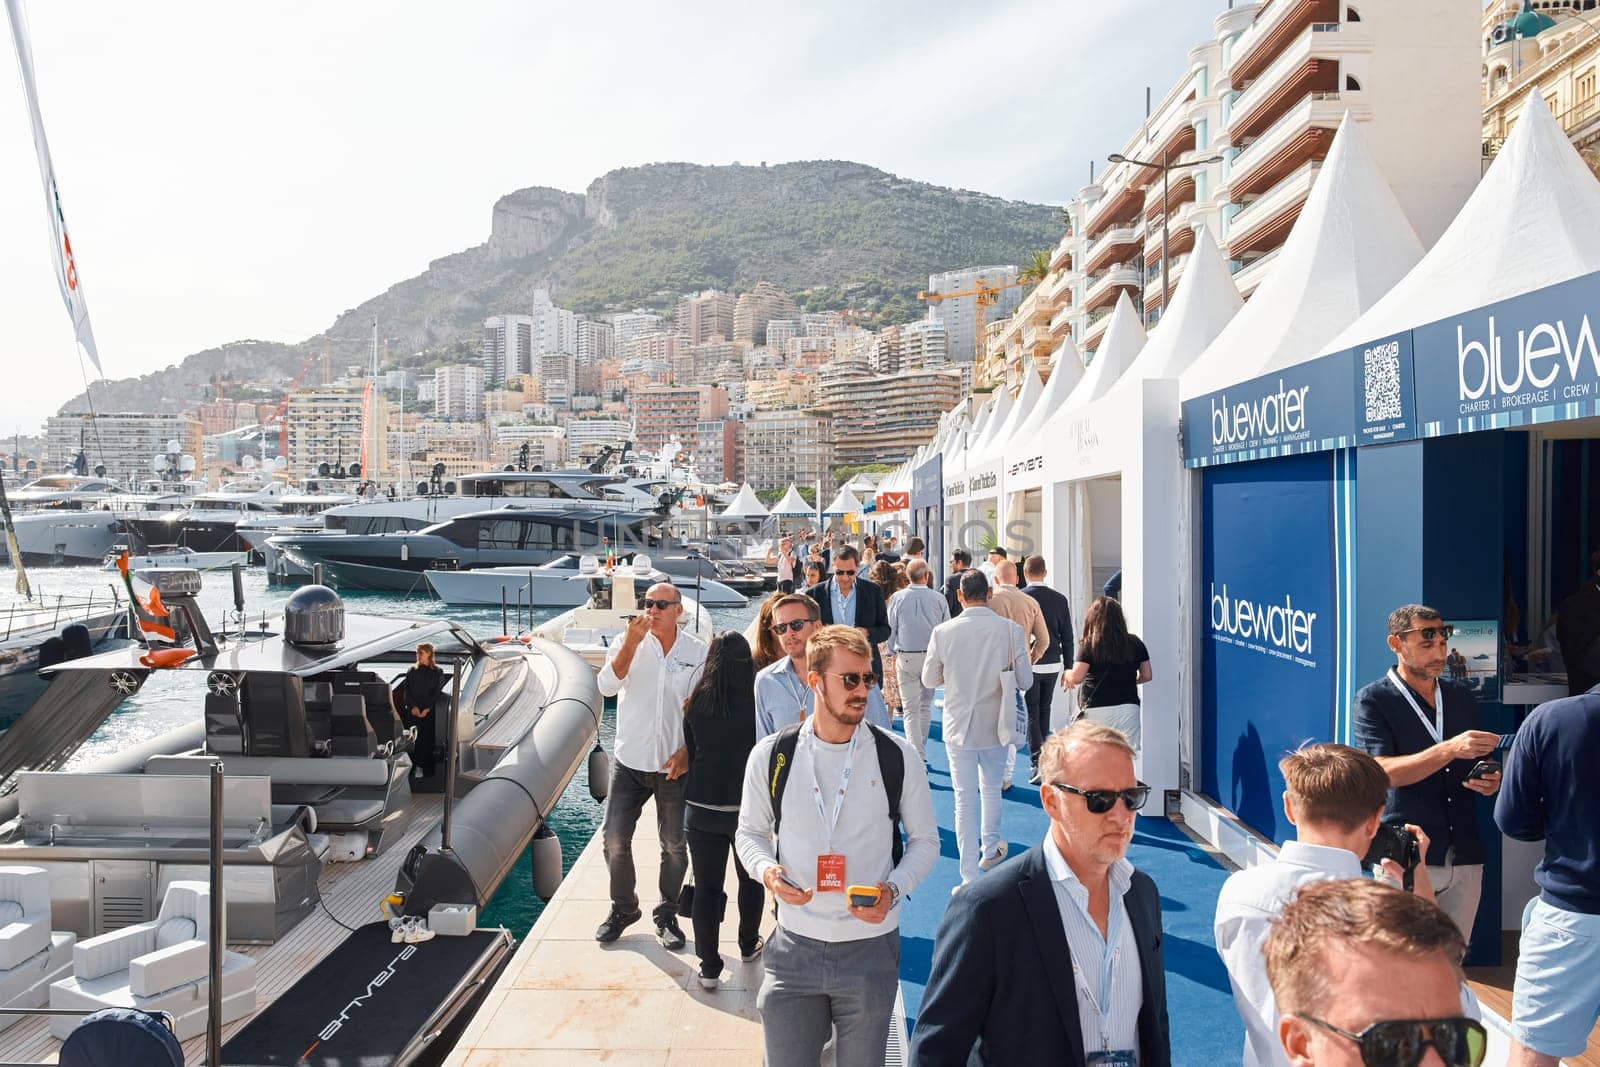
column 1578, row 631
column 1003, row 989
column 960, row 560
column 846, row 600
column 1057, row 658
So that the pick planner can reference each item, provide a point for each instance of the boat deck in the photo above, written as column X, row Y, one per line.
column 350, row 891
column 1493, row 987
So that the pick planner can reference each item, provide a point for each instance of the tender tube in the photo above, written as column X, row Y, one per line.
column 492, row 825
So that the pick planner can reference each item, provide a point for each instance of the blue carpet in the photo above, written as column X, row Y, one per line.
column 1205, row 1027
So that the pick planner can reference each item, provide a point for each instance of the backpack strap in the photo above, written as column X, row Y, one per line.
column 892, row 765
column 779, row 764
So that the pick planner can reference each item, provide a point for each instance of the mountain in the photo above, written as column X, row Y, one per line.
column 834, row 234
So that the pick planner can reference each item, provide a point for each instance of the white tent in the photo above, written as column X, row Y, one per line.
column 1066, row 371
column 978, row 450
column 1349, row 247
column 1204, row 301
column 1021, row 408
column 1122, row 341
column 845, row 503
column 745, row 507
column 1530, row 223
column 864, row 483
column 792, row 505
column 961, row 442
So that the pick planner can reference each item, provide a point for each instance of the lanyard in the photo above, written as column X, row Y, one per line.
column 844, row 780
column 1435, row 725
column 1109, row 959
column 797, row 689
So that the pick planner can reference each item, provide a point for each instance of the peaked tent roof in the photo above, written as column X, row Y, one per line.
column 1065, row 374
column 744, row 506
column 1204, row 301
column 1348, row 248
column 956, row 452
column 1021, row 408
column 793, row 504
column 978, row 451
column 845, row 503
column 1530, row 223
column 1123, row 340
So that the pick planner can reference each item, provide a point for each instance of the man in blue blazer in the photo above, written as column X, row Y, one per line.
column 1055, row 956
column 1057, row 658
column 850, row 599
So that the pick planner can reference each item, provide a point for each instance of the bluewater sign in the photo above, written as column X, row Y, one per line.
column 1268, row 630
column 1530, row 359
column 927, row 484
column 1357, row 396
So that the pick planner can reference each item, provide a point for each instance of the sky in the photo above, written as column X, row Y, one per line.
column 235, row 171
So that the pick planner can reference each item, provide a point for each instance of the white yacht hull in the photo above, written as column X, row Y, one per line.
column 520, row 586
column 63, row 538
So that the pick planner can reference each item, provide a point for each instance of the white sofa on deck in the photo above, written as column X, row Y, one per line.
column 31, row 955
column 157, row 966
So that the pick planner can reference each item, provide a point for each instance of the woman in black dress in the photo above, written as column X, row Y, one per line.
column 1112, row 664
column 416, row 696
column 719, row 727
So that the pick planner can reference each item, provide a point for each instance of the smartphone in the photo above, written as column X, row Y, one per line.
column 783, row 876
column 1483, row 768
column 864, row 896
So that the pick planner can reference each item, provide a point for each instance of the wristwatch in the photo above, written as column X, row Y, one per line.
column 894, row 895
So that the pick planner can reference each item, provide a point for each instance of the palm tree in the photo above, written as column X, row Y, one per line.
column 1038, row 268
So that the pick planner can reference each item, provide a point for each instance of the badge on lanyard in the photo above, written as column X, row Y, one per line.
column 830, row 864
column 830, row 873
column 1122, row 1057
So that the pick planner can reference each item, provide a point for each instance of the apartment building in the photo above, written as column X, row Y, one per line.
column 546, row 446
column 325, row 425
column 780, row 330
column 821, row 323
column 124, row 443
column 1555, row 46
column 958, row 314
column 657, row 346
column 664, row 412
column 508, row 346
column 458, row 392
column 705, row 315
column 780, row 389
column 635, row 324
column 758, row 307
column 716, row 450
column 911, row 346
column 788, row 445
column 1250, row 121
column 597, row 342
column 810, row 351
column 587, row 436
column 885, row 418
column 708, row 362
column 461, row 445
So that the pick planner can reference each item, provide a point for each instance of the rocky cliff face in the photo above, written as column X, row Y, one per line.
column 531, row 222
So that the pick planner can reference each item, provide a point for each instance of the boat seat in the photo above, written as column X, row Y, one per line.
column 348, row 813
column 282, row 769
column 352, row 733
column 31, row 954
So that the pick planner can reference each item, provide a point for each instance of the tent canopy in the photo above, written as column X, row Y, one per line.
column 1021, row 408
column 844, row 503
column 1349, row 247
column 745, row 506
column 1204, row 301
column 1066, row 371
column 1122, row 342
column 793, row 505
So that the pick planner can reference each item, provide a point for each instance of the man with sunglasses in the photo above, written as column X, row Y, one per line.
column 651, row 671
column 782, row 696
column 1423, row 731
column 960, row 560
column 1056, row 956
column 845, row 600
column 1365, row 973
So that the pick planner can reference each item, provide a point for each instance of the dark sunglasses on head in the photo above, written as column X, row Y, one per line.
column 792, row 626
column 851, row 679
column 659, row 605
column 1432, row 633
column 1100, row 801
column 1460, row 1042
column 844, row 574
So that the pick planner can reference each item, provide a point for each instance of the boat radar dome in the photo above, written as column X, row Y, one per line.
column 314, row 616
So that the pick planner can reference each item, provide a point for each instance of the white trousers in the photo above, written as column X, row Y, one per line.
column 975, row 774
column 916, row 699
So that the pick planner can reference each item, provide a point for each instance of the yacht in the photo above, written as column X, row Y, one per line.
column 613, row 596
column 549, row 585
column 62, row 519
column 325, row 824
column 209, row 523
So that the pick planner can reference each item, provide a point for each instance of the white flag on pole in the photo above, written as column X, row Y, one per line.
column 66, row 268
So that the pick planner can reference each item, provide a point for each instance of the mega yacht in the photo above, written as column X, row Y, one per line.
column 210, row 522
column 63, row 519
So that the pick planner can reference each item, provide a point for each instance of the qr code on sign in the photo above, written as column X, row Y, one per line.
column 1383, row 383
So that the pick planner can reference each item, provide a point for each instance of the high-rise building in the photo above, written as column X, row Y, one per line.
column 650, row 346
column 716, row 450
column 780, row 330
column 546, row 445
column 508, row 346
column 635, row 324
column 555, row 328
column 705, row 315
column 885, row 418
column 788, row 445
column 597, row 342
column 458, row 392
column 758, row 307
column 587, row 436
column 821, row 323
column 325, row 425
column 664, row 412
column 957, row 313
column 124, row 443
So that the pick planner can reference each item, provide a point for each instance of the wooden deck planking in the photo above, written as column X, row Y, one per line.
column 350, row 890
column 1493, row 987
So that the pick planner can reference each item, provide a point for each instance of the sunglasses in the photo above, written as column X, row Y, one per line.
column 1100, row 801
column 845, row 574
column 1431, row 633
column 851, row 679
column 792, row 626
column 1460, row 1042
column 659, row 605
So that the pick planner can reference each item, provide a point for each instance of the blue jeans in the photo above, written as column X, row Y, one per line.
column 813, row 987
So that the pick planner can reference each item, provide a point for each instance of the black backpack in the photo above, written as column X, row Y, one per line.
column 891, row 763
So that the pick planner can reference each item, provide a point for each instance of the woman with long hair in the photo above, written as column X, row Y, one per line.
column 416, row 696
column 1112, row 664
column 719, row 728
column 885, row 576
column 760, row 635
column 869, row 551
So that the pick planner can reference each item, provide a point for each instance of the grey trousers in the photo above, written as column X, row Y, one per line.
column 629, row 791
column 813, row 989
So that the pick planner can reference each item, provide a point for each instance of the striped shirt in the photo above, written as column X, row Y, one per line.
column 1101, row 972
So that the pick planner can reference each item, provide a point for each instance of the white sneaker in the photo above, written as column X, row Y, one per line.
column 989, row 863
column 418, row 931
column 397, row 931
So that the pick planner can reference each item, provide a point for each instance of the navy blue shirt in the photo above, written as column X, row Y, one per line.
column 1549, row 792
column 1384, row 724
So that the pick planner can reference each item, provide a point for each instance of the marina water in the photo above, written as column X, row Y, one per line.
column 153, row 710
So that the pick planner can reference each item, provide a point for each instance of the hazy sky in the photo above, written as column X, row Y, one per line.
column 235, row 173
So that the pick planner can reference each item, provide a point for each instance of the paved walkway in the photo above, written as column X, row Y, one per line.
column 566, row 1000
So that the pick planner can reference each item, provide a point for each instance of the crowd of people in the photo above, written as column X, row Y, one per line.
column 778, row 746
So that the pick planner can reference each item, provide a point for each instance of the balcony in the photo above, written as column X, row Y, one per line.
column 1152, row 278
column 1057, row 285
column 1246, row 276
column 1061, row 258
column 1094, row 328
column 1180, row 231
column 1180, row 191
column 1303, row 132
column 1124, row 185
column 1061, row 321
column 1110, row 247
column 1310, row 64
column 1278, row 23
column 1266, row 220
column 1104, row 287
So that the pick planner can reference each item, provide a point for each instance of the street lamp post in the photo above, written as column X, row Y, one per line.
column 1166, row 169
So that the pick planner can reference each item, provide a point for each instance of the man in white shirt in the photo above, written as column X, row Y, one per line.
column 1335, row 797
column 833, row 965
column 782, row 696
column 651, row 672
column 980, row 659
column 913, row 613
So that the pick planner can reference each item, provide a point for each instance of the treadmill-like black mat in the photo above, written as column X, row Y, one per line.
column 363, row 1004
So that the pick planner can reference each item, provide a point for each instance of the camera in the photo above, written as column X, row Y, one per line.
column 1394, row 842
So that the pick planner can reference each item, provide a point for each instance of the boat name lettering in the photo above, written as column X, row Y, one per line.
column 333, row 1026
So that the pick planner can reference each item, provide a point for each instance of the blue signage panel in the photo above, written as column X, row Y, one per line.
column 927, row 484
column 1268, row 629
column 1384, row 403
column 1530, row 359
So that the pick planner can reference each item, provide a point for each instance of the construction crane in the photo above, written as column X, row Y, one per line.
column 986, row 296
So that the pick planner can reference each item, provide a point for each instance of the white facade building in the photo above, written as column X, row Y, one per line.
column 957, row 313
column 635, row 324
column 458, row 392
